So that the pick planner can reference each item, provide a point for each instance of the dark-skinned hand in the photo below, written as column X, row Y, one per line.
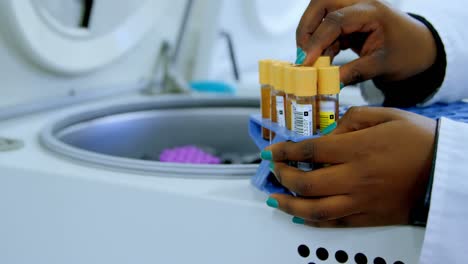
column 383, row 37
column 379, row 163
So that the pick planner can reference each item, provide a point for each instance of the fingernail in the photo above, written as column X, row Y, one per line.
column 298, row 220
column 329, row 129
column 301, row 55
column 272, row 202
column 341, row 86
column 266, row 155
column 298, row 51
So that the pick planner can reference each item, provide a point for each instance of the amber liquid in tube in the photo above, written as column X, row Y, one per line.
column 274, row 117
column 278, row 95
column 265, row 106
column 289, row 89
column 290, row 107
column 266, row 82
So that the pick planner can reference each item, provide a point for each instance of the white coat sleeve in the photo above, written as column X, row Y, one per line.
column 447, row 228
column 449, row 19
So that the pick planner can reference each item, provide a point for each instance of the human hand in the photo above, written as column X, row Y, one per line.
column 391, row 44
column 380, row 161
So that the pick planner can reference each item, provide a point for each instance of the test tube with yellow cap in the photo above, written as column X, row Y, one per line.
column 322, row 61
column 328, row 95
column 305, row 81
column 290, row 97
column 265, row 103
column 278, row 96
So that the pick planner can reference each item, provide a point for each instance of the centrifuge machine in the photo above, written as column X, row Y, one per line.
column 82, row 121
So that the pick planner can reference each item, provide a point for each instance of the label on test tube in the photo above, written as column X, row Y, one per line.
column 327, row 113
column 280, row 111
column 303, row 120
column 293, row 114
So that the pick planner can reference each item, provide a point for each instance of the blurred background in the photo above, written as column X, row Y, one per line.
column 73, row 46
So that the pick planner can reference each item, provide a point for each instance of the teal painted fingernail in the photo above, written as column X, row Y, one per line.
column 272, row 202
column 300, row 59
column 266, row 155
column 329, row 129
column 342, row 86
column 298, row 220
column 298, row 51
column 300, row 56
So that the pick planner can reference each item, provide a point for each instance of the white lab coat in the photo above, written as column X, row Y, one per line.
column 448, row 18
column 446, row 234
column 447, row 228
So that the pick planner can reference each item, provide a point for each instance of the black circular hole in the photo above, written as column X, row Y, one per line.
column 399, row 262
column 379, row 260
column 341, row 256
column 303, row 251
column 360, row 258
column 322, row 254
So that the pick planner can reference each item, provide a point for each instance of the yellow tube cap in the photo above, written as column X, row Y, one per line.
column 329, row 80
column 264, row 71
column 289, row 84
column 322, row 61
column 305, row 81
column 277, row 73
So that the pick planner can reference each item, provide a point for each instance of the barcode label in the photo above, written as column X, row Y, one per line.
column 303, row 120
column 280, row 111
column 293, row 113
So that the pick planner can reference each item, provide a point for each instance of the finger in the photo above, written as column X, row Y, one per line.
column 362, row 69
column 313, row 15
column 317, row 210
column 355, row 220
column 358, row 118
column 332, row 180
column 328, row 149
column 344, row 21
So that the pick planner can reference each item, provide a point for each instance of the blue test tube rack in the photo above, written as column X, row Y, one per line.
column 264, row 179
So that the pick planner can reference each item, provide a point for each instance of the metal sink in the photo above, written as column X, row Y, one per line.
column 131, row 137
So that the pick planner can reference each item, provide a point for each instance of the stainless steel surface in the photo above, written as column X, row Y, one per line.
column 120, row 136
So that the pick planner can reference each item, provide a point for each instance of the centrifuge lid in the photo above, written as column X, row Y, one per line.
column 44, row 59
column 74, row 50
